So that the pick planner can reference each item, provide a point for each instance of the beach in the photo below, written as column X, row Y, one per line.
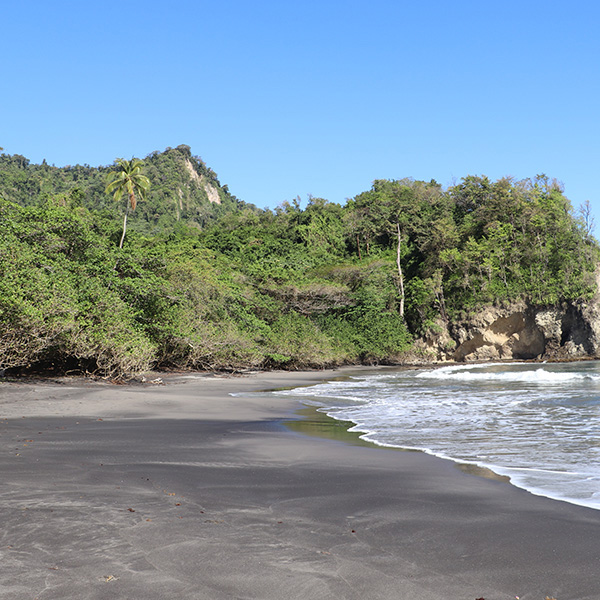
column 178, row 490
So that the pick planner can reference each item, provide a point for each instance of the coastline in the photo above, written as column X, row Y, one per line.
column 183, row 491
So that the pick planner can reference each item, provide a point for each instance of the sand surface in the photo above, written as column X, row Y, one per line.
column 181, row 491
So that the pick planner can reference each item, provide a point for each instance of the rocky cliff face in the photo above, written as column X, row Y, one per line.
column 519, row 331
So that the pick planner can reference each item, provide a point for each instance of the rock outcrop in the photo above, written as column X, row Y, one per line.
column 518, row 331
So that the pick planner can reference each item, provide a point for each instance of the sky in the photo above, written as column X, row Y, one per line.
column 286, row 99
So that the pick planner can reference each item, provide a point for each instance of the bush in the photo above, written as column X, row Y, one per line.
column 296, row 342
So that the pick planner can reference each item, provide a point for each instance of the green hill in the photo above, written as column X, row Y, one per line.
column 183, row 188
column 205, row 281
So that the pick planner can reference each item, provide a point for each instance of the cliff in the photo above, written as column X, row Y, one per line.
column 518, row 331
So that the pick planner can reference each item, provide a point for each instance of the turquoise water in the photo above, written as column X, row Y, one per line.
column 538, row 424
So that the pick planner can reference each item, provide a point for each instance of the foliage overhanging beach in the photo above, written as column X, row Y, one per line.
column 205, row 281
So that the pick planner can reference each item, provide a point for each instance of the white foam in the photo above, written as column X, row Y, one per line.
column 539, row 376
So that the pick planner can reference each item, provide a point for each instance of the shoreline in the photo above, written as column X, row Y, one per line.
column 183, row 491
column 481, row 469
column 147, row 376
column 314, row 422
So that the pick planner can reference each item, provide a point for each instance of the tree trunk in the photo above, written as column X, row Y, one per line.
column 400, row 275
column 124, row 226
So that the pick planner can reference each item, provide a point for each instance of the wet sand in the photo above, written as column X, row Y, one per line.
column 181, row 491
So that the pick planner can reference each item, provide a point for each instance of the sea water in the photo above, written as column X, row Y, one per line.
column 538, row 424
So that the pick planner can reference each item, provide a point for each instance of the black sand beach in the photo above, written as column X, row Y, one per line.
column 180, row 491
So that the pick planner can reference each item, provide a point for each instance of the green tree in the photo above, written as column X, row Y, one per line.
column 392, row 208
column 130, row 181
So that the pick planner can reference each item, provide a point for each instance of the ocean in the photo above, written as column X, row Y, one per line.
column 538, row 424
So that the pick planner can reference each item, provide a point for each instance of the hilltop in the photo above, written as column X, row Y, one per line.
column 183, row 188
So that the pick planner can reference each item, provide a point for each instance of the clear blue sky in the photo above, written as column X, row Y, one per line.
column 312, row 97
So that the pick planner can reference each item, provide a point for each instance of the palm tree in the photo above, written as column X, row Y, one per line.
column 130, row 181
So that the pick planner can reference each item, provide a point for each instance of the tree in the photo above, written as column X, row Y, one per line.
column 396, row 209
column 128, row 180
column 585, row 216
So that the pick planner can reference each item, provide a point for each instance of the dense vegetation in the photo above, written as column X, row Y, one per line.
column 222, row 285
column 183, row 188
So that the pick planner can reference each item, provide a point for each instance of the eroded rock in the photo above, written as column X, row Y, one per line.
column 518, row 331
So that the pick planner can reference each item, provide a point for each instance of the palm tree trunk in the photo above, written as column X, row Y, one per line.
column 124, row 226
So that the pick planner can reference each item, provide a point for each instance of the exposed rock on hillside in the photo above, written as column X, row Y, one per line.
column 211, row 192
column 519, row 331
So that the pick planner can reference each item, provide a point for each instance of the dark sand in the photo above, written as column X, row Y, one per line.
column 180, row 491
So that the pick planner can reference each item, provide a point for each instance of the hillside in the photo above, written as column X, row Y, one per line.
column 183, row 188
column 399, row 273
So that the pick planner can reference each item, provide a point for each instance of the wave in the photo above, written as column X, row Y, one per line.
column 538, row 376
column 474, row 366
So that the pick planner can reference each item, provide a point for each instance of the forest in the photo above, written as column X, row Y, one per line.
column 206, row 281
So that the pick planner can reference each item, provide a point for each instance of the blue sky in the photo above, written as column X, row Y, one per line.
column 286, row 99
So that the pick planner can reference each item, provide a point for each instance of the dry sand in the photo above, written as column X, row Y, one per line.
column 180, row 491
